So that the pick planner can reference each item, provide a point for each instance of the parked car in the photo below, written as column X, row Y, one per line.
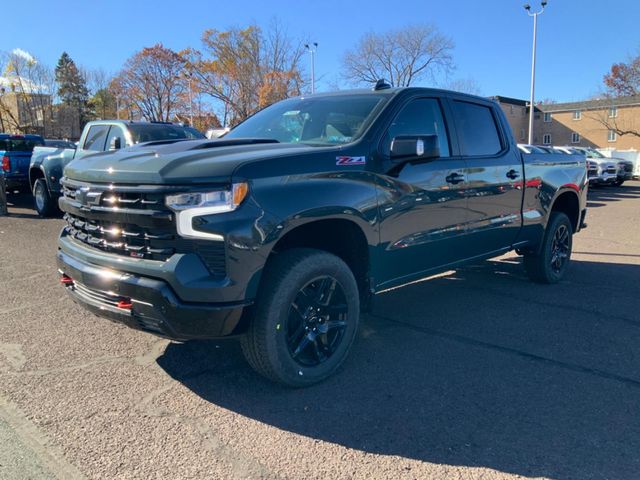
column 15, row 152
column 546, row 148
column 600, row 171
column 99, row 136
column 624, row 169
column 524, row 148
column 283, row 230
column 50, row 142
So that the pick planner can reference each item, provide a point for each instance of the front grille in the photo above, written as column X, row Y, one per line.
column 612, row 170
column 124, row 239
column 132, row 222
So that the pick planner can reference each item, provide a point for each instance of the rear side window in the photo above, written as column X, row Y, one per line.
column 420, row 117
column 477, row 130
column 96, row 138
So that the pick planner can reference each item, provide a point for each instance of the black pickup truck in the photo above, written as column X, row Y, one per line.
column 282, row 231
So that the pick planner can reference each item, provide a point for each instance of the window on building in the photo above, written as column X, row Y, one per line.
column 577, row 114
column 575, row 137
column 612, row 136
column 522, row 134
column 546, row 139
column 613, row 112
column 510, row 109
column 547, row 117
column 524, row 111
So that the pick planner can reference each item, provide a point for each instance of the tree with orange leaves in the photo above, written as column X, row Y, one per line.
column 152, row 82
column 246, row 69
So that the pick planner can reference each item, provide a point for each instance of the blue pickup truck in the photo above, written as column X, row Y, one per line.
column 15, row 151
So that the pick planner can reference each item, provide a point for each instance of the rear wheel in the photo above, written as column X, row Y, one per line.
column 42, row 200
column 550, row 263
column 306, row 318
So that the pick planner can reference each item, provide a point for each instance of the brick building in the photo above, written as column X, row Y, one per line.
column 589, row 123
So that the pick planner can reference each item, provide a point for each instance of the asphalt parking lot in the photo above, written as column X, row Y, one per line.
column 477, row 373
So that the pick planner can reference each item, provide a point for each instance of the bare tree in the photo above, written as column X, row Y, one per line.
column 401, row 57
column 26, row 100
column 246, row 69
column 152, row 82
column 463, row 85
column 622, row 80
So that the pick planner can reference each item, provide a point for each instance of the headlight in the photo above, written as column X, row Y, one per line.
column 190, row 205
column 221, row 200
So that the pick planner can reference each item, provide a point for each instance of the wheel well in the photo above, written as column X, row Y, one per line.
column 568, row 204
column 34, row 174
column 342, row 238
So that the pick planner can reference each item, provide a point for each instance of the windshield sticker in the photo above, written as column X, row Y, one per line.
column 346, row 161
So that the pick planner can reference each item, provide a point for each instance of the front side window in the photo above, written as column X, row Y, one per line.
column 477, row 130
column 577, row 114
column 315, row 121
column 575, row 137
column 422, row 116
column 546, row 139
column 96, row 138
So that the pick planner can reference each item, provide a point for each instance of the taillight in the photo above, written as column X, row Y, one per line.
column 6, row 164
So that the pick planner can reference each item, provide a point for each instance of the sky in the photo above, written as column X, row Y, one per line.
column 578, row 40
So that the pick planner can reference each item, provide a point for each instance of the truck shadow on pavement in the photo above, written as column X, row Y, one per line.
column 601, row 196
column 477, row 368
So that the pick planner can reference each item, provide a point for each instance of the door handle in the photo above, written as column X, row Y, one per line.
column 513, row 174
column 454, row 178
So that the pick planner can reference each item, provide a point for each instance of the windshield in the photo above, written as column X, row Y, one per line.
column 330, row 120
column 19, row 144
column 141, row 133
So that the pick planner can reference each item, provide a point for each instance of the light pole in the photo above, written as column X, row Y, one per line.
column 188, row 75
column 527, row 7
column 312, row 51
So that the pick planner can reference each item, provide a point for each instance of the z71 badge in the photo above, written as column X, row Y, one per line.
column 346, row 161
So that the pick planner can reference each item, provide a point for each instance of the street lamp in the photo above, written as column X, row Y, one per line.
column 312, row 51
column 188, row 75
column 527, row 7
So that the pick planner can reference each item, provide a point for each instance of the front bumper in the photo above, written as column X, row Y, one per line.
column 145, row 303
column 603, row 179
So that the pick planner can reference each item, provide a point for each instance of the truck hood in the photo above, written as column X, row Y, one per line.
column 178, row 163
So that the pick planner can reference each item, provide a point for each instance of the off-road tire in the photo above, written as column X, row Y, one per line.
column 265, row 343
column 539, row 265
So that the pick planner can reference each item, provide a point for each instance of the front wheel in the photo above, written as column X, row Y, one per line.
column 306, row 318
column 550, row 263
column 42, row 200
column 618, row 183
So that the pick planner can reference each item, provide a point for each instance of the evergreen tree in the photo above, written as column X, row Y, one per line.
column 72, row 87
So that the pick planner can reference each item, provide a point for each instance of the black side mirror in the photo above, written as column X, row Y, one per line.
column 115, row 144
column 414, row 147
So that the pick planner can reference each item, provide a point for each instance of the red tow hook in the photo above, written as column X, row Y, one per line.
column 66, row 280
column 125, row 304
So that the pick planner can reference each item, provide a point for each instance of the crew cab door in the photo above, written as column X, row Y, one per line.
column 494, row 175
column 422, row 204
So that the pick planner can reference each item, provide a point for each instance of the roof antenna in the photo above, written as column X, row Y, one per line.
column 381, row 85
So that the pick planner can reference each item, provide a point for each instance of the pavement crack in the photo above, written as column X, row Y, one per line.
column 513, row 351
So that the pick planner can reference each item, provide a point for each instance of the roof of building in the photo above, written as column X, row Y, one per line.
column 513, row 101
column 595, row 104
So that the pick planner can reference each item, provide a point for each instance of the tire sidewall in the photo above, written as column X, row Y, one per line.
column 278, row 308
column 41, row 186
column 557, row 220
